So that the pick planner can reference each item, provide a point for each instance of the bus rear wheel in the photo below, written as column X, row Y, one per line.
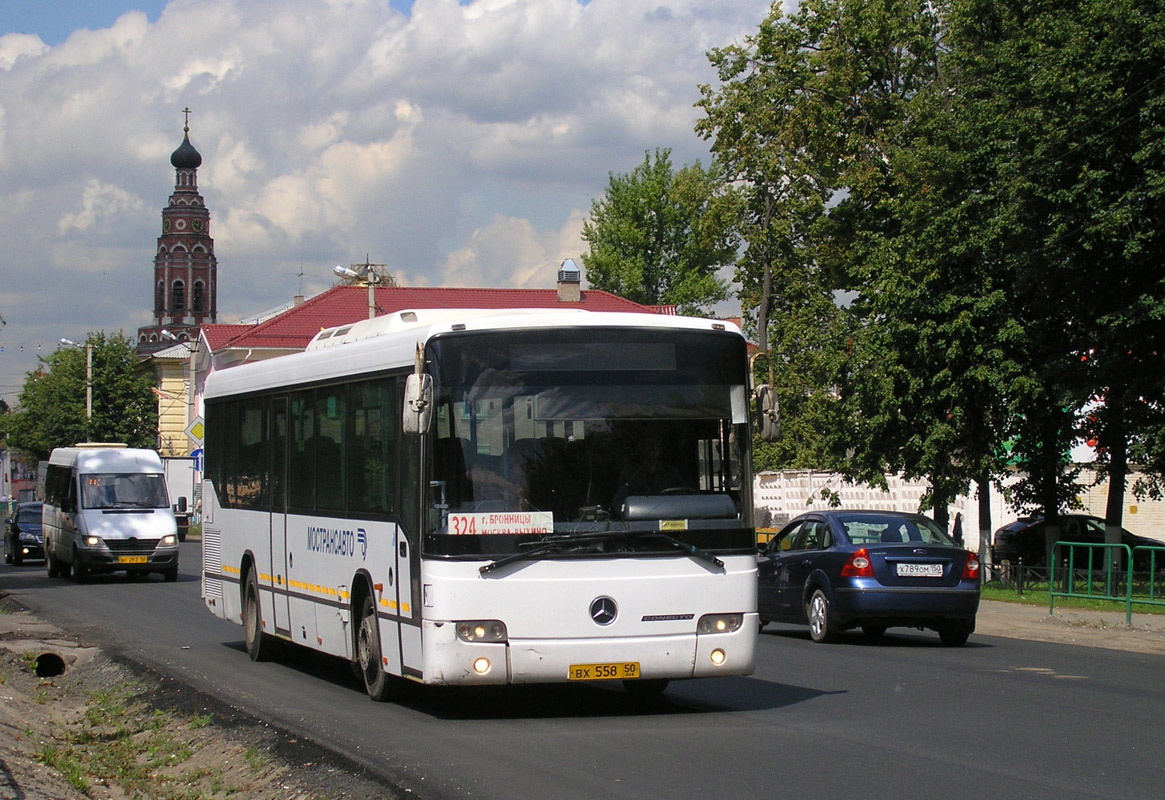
column 378, row 683
column 260, row 645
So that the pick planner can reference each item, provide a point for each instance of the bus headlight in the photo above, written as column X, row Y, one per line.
column 169, row 540
column 719, row 623
column 92, row 541
column 484, row 630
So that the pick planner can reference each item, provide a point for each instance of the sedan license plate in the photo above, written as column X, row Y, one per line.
column 603, row 672
column 131, row 559
column 920, row 570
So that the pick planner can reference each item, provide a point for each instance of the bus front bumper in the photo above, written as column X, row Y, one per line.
column 449, row 660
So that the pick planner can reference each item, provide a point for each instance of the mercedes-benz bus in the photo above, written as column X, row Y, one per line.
column 475, row 497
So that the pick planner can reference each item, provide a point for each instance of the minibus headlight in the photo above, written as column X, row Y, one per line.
column 169, row 540
column 483, row 630
column 92, row 541
column 719, row 623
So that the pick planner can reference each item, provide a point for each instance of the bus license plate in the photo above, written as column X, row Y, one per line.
column 131, row 559
column 603, row 672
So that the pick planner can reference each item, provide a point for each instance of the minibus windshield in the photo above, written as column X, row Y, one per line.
column 123, row 490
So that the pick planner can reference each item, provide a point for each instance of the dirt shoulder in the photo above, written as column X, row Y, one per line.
column 90, row 727
column 1107, row 629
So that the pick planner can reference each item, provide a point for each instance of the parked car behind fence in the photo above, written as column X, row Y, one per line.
column 1026, row 539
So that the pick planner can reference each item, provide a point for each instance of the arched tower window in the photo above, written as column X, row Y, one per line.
column 197, row 298
column 179, row 297
column 160, row 299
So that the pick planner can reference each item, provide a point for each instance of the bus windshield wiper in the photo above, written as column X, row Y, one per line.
column 565, row 540
column 691, row 550
column 552, row 542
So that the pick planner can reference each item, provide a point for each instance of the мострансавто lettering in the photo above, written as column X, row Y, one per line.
column 331, row 541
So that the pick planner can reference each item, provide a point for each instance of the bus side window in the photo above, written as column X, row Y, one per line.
column 371, row 447
column 301, row 468
column 329, row 448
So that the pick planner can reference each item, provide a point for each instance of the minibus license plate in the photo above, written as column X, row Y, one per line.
column 603, row 672
column 131, row 559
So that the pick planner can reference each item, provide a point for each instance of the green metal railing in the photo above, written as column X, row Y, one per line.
column 1108, row 572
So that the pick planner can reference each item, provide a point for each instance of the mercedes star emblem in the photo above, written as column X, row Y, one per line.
column 603, row 610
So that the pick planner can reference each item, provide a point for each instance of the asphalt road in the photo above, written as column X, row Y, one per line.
column 904, row 718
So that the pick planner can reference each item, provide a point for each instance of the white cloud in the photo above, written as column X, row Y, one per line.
column 510, row 252
column 457, row 144
column 15, row 46
column 99, row 202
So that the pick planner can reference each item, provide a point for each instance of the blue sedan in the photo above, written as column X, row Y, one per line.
column 836, row 570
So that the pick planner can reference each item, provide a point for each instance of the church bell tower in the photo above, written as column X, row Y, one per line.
column 185, row 286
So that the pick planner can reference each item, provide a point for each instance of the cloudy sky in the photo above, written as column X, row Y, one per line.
column 459, row 143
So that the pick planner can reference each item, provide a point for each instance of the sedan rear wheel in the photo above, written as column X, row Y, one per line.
column 955, row 634
column 821, row 627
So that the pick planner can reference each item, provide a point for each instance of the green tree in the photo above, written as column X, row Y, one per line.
column 809, row 115
column 660, row 236
column 1069, row 98
column 52, row 404
column 982, row 184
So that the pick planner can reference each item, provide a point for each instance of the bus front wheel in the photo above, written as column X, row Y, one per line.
column 260, row 645
column 378, row 683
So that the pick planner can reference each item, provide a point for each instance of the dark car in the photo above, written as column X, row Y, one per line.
column 875, row 570
column 1025, row 538
column 22, row 534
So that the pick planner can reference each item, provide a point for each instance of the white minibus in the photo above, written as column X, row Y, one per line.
column 106, row 509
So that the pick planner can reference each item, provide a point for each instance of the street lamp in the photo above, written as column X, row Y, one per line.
column 88, row 374
column 367, row 274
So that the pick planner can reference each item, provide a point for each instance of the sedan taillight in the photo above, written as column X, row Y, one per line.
column 971, row 567
column 858, row 566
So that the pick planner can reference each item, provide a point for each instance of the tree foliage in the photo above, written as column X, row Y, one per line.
column 52, row 404
column 660, row 236
column 979, row 186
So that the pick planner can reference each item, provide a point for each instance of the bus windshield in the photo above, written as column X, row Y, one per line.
column 123, row 490
column 583, row 430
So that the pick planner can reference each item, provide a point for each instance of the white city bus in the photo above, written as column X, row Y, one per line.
column 485, row 497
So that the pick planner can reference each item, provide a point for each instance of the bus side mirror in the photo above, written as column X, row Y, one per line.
column 768, row 412
column 180, row 507
column 418, row 407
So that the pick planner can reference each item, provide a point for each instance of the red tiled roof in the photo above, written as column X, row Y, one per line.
column 339, row 305
column 220, row 336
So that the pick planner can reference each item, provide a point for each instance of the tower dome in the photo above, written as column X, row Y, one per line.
column 186, row 157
